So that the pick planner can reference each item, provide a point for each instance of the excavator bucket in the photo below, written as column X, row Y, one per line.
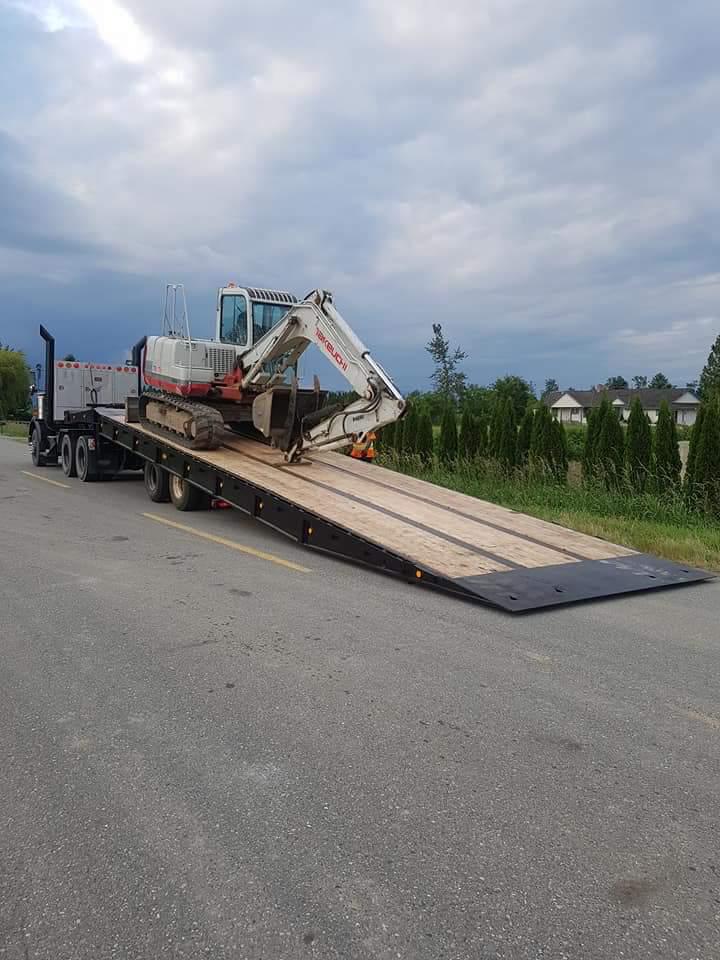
column 278, row 412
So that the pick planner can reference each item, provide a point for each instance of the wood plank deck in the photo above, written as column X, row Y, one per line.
column 407, row 526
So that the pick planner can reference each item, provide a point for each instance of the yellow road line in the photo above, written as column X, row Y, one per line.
column 706, row 718
column 55, row 483
column 241, row 548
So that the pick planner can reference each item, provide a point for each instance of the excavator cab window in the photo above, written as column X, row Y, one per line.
column 234, row 319
column 265, row 316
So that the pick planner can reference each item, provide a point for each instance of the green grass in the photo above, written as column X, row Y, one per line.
column 13, row 429
column 651, row 523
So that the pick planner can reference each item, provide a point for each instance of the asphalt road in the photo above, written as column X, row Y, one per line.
column 209, row 753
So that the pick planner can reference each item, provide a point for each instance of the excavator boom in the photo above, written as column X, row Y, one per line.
column 316, row 320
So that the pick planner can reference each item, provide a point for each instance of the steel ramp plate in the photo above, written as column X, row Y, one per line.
column 520, row 591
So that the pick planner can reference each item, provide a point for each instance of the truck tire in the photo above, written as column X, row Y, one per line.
column 157, row 483
column 85, row 461
column 36, row 446
column 184, row 496
column 67, row 456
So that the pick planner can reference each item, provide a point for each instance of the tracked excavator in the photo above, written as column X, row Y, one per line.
column 247, row 377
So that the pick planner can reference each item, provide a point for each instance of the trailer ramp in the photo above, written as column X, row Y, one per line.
column 426, row 534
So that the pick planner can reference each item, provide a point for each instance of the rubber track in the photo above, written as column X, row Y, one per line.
column 209, row 424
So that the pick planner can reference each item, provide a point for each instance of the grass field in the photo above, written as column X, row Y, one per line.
column 17, row 431
column 651, row 523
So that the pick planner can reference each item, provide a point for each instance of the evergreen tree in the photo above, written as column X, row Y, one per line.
column 468, row 441
column 481, row 427
column 448, row 449
column 594, row 428
column 507, row 443
column 386, row 437
column 666, row 460
column 410, row 431
column 695, row 435
column 638, row 450
column 525, row 435
column 706, row 468
column 541, row 440
column 425, row 442
column 496, row 427
column 610, row 451
column 398, row 440
column 710, row 377
column 559, row 451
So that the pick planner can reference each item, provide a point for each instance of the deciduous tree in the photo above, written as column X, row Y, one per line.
column 660, row 382
column 448, row 378
column 14, row 382
column 519, row 391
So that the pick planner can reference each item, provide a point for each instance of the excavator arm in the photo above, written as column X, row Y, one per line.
column 316, row 320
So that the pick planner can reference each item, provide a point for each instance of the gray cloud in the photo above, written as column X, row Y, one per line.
column 539, row 177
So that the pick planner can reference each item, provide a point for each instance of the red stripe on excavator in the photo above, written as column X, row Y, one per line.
column 173, row 386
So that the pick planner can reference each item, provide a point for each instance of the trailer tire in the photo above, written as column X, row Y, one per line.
column 85, row 461
column 157, row 483
column 184, row 496
column 36, row 445
column 67, row 456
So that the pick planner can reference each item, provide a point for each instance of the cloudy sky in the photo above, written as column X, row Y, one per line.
column 542, row 178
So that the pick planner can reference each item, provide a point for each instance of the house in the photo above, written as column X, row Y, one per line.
column 573, row 406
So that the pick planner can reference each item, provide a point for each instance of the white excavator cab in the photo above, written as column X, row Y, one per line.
column 245, row 314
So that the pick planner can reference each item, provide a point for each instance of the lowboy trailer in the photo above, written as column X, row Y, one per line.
column 423, row 534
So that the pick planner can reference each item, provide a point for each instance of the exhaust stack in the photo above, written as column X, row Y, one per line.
column 49, row 405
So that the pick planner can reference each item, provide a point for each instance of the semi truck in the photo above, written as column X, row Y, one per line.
column 280, row 463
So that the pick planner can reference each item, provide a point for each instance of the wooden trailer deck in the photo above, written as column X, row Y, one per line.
column 409, row 527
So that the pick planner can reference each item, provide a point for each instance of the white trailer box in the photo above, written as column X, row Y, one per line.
column 81, row 385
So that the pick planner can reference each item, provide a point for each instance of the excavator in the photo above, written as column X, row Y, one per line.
column 247, row 377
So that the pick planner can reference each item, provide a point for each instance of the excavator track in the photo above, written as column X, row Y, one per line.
column 194, row 425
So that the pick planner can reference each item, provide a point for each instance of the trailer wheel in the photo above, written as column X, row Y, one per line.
column 85, row 461
column 36, row 445
column 157, row 483
column 184, row 496
column 67, row 456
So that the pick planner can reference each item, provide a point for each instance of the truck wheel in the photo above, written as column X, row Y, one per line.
column 36, row 445
column 85, row 461
column 67, row 456
column 157, row 483
column 184, row 496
